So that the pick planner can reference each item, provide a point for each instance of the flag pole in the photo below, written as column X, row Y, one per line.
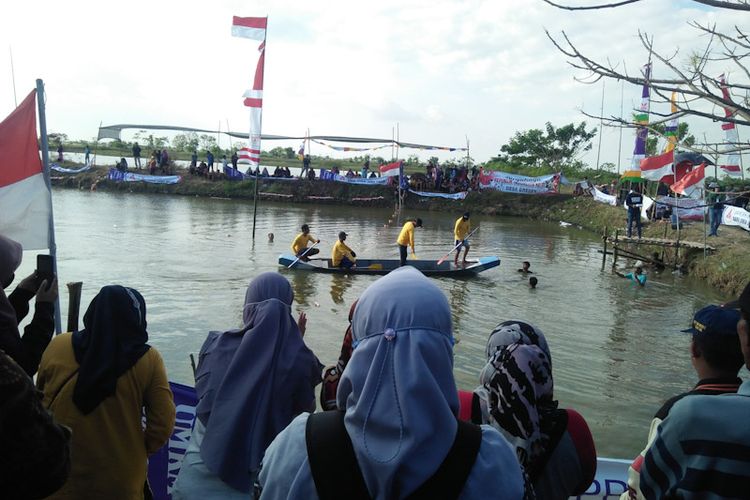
column 45, row 171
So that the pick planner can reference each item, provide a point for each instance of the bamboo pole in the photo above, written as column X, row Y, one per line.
column 615, row 249
column 604, row 253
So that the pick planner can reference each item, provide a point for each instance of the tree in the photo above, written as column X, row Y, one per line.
column 683, row 137
column 694, row 77
column 185, row 142
column 207, row 142
column 556, row 147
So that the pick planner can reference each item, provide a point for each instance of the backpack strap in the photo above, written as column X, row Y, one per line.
column 336, row 472
column 448, row 481
column 331, row 456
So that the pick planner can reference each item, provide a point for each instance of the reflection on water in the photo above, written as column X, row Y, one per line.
column 617, row 350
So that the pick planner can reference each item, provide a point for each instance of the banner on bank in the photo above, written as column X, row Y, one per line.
column 513, row 183
column 327, row 175
column 736, row 216
column 447, row 196
column 117, row 176
column 685, row 208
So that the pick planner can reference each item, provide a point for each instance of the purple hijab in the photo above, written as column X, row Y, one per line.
column 253, row 381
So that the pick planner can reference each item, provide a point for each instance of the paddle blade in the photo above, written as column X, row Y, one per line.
column 414, row 256
column 375, row 266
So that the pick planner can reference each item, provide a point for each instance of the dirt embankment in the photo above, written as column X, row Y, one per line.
column 725, row 269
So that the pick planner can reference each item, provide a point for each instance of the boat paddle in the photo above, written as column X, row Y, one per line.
column 455, row 247
column 303, row 254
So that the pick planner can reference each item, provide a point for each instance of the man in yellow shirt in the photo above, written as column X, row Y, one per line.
column 342, row 255
column 406, row 238
column 299, row 245
column 460, row 231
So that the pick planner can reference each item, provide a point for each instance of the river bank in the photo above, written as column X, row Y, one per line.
column 725, row 269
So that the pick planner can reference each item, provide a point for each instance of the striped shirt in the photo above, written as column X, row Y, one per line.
column 701, row 450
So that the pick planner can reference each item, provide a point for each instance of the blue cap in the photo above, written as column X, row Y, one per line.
column 715, row 320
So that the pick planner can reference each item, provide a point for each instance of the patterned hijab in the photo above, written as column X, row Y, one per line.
column 398, row 391
column 516, row 391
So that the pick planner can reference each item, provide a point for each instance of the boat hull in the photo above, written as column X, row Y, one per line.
column 384, row 266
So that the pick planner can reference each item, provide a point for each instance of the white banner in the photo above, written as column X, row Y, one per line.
column 685, row 208
column 512, row 183
column 604, row 198
column 736, row 216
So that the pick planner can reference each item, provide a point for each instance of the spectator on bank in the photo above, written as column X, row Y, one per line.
column 224, row 163
column 194, row 159
column 634, row 202
column 137, row 156
column 698, row 451
column 399, row 410
column 715, row 200
column 164, row 161
column 210, row 161
column 59, row 152
column 311, row 174
column 26, row 350
column 716, row 356
column 306, row 161
column 99, row 381
column 35, row 449
column 554, row 446
column 86, row 155
column 235, row 159
column 251, row 383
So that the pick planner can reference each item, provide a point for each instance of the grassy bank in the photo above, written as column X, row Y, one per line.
column 726, row 269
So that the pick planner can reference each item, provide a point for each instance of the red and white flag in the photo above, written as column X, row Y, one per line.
column 391, row 169
column 731, row 163
column 248, row 155
column 658, row 168
column 25, row 209
column 692, row 184
column 253, row 28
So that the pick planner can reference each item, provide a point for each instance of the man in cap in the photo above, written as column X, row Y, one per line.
column 716, row 356
column 342, row 255
column 702, row 449
column 634, row 202
column 460, row 232
column 299, row 245
column 406, row 238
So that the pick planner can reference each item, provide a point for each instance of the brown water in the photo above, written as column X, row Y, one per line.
column 617, row 350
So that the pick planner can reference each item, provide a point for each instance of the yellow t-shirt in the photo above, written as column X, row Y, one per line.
column 300, row 242
column 406, row 236
column 340, row 250
column 461, row 229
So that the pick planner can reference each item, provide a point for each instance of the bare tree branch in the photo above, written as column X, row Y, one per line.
column 591, row 7
column 721, row 4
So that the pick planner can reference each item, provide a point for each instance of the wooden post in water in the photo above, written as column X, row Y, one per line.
column 604, row 253
column 614, row 249
column 74, row 304
column 255, row 198
column 677, row 245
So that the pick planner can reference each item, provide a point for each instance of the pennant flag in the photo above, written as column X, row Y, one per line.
column 670, row 131
column 253, row 28
column 24, row 197
column 248, row 155
column 391, row 169
column 731, row 163
column 692, row 183
column 301, row 151
column 656, row 168
column 253, row 98
column 641, row 118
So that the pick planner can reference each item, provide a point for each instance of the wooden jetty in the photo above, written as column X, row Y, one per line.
column 621, row 247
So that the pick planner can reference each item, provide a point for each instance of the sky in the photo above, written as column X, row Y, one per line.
column 444, row 71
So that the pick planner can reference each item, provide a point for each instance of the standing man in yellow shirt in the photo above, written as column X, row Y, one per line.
column 299, row 245
column 406, row 238
column 342, row 255
column 460, row 231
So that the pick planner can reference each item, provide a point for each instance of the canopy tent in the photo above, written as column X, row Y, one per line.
column 115, row 131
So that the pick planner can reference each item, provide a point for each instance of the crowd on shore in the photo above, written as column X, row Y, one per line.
column 395, row 425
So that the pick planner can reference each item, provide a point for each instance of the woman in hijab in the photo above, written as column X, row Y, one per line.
column 26, row 350
column 251, row 382
column 332, row 374
column 399, row 403
column 98, row 381
column 554, row 446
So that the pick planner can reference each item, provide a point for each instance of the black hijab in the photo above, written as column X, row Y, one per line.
column 113, row 340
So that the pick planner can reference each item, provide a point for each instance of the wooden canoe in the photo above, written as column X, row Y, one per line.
column 384, row 266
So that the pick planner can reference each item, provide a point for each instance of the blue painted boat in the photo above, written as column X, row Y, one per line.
column 384, row 266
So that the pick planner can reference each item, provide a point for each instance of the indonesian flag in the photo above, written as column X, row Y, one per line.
column 692, row 183
column 25, row 209
column 656, row 168
column 731, row 164
column 391, row 169
column 253, row 28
